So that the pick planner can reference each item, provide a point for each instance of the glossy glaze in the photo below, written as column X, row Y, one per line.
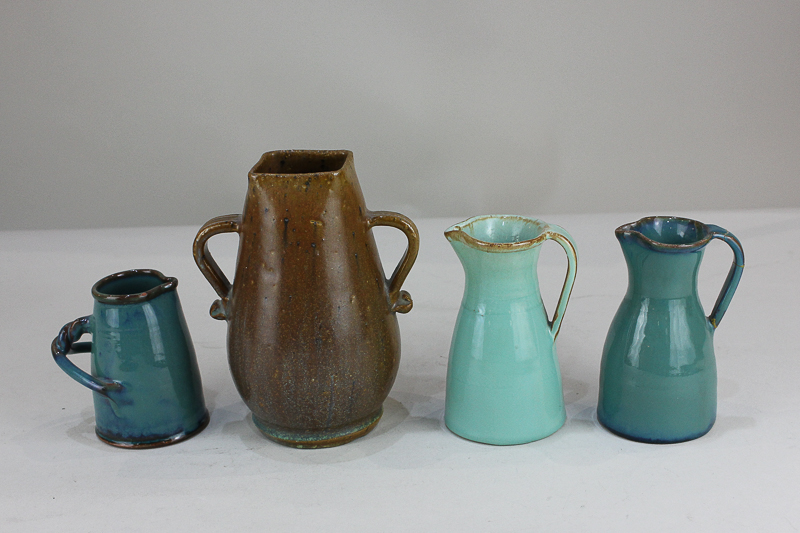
column 147, row 389
column 313, row 339
column 658, row 377
column 503, row 378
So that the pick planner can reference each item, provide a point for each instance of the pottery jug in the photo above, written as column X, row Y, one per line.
column 313, row 338
column 144, row 375
column 658, row 377
column 503, row 378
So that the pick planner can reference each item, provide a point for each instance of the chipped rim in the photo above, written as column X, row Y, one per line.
column 456, row 232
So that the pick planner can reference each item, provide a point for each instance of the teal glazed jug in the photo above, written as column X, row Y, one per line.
column 144, row 375
column 658, row 377
column 503, row 379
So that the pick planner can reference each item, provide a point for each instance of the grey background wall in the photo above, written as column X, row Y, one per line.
column 151, row 113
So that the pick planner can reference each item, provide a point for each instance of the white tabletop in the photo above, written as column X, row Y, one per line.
column 410, row 473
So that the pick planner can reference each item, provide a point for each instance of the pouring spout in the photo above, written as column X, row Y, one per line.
column 454, row 233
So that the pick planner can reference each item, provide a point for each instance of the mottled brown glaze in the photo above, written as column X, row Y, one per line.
column 313, row 339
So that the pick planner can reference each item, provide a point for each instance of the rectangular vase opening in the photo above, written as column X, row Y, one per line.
column 289, row 162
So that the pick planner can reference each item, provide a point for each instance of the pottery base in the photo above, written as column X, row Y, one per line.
column 675, row 439
column 157, row 443
column 327, row 438
column 504, row 440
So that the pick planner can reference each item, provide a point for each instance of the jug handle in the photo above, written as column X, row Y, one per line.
column 734, row 274
column 65, row 344
column 208, row 266
column 560, row 235
column 401, row 300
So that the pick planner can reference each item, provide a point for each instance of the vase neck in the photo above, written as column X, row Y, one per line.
column 491, row 276
column 658, row 274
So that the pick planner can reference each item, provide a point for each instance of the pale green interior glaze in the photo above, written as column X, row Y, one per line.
column 503, row 378
column 498, row 233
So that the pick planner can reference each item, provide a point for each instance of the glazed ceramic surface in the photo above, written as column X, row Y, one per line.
column 658, row 378
column 503, row 378
column 313, row 339
column 147, row 389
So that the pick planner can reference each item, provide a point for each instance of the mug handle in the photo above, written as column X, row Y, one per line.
column 734, row 274
column 560, row 235
column 208, row 266
column 65, row 344
column 401, row 300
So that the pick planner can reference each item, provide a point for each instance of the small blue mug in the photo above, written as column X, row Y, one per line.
column 144, row 375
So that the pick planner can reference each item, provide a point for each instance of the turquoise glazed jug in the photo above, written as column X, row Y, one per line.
column 503, row 380
column 658, row 377
column 144, row 374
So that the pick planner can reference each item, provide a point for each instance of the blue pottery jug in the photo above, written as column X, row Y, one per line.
column 658, row 377
column 144, row 375
column 503, row 379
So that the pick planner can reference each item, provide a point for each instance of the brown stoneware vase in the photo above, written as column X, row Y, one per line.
column 313, row 339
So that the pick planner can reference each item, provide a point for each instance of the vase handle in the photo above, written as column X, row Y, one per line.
column 208, row 266
column 734, row 274
column 401, row 300
column 66, row 344
column 562, row 237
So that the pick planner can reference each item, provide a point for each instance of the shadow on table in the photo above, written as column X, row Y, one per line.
column 574, row 390
column 83, row 432
column 726, row 424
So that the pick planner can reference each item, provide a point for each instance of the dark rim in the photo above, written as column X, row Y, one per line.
column 286, row 153
column 174, row 439
column 629, row 230
column 167, row 284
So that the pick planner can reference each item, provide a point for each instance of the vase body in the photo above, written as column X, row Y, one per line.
column 658, row 376
column 313, row 338
column 503, row 378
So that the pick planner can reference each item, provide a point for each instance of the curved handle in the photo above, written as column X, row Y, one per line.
column 401, row 300
column 208, row 266
column 734, row 274
column 560, row 235
column 65, row 344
